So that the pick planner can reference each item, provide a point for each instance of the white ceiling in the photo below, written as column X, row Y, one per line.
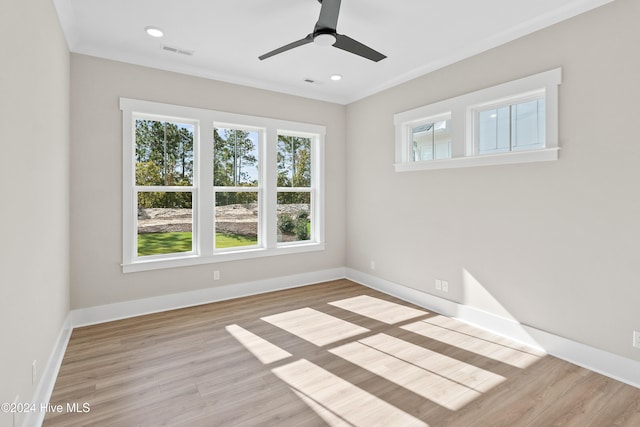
column 227, row 36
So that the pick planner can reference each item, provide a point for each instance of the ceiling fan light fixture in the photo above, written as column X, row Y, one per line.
column 154, row 31
column 324, row 39
column 336, row 77
column 325, row 34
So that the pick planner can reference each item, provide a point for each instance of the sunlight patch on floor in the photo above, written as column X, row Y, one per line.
column 370, row 354
column 344, row 401
column 314, row 326
column 262, row 349
column 375, row 308
column 439, row 378
column 469, row 341
column 455, row 370
column 465, row 328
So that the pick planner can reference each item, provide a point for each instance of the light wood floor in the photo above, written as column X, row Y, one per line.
column 329, row 354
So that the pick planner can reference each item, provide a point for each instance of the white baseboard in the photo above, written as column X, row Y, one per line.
column 42, row 394
column 603, row 362
column 123, row 310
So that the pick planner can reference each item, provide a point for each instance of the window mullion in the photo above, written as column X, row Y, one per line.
column 204, row 196
column 270, row 190
column 511, row 127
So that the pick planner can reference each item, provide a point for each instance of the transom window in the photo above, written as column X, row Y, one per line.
column 515, row 122
column 202, row 186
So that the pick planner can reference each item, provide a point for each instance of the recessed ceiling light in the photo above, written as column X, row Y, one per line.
column 336, row 77
column 154, row 31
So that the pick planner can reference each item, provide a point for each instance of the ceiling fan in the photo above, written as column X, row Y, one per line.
column 324, row 33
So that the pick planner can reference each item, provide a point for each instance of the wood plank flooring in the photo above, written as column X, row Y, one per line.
column 336, row 354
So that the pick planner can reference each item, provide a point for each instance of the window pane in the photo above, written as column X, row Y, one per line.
column 294, row 161
column 493, row 131
column 165, row 222
column 294, row 216
column 164, row 153
column 512, row 127
column 235, row 158
column 432, row 141
column 236, row 215
column 527, row 125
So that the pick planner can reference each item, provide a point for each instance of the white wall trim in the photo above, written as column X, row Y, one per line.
column 42, row 394
column 510, row 158
column 126, row 309
column 600, row 361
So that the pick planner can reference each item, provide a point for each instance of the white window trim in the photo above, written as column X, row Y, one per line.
column 463, row 110
column 203, row 189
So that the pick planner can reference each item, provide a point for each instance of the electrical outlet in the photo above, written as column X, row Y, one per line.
column 438, row 285
column 445, row 286
column 34, row 372
column 636, row 339
column 372, row 265
column 216, row 275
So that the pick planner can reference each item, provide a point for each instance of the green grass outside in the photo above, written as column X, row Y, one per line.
column 176, row 242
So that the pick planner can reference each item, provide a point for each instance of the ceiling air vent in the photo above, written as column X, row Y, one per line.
column 178, row 50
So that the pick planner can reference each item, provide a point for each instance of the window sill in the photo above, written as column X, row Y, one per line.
column 190, row 260
column 544, row 155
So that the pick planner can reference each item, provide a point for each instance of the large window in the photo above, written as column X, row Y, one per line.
column 294, row 188
column 514, row 122
column 236, row 183
column 203, row 186
column 163, row 186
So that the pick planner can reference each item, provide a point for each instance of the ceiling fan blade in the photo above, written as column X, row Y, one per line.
column 301, row 42
column 350, row 45
column 328, row 15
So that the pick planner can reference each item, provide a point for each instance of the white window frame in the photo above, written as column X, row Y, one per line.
column 204, row 122
column 463, row 111
column 315, row 190
column 259, row 189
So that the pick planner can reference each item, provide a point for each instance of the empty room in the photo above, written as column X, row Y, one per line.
column 320, row 212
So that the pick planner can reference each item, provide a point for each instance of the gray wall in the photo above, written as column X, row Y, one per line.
column 553, row 245
column 96, row 179
column 34, row 207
